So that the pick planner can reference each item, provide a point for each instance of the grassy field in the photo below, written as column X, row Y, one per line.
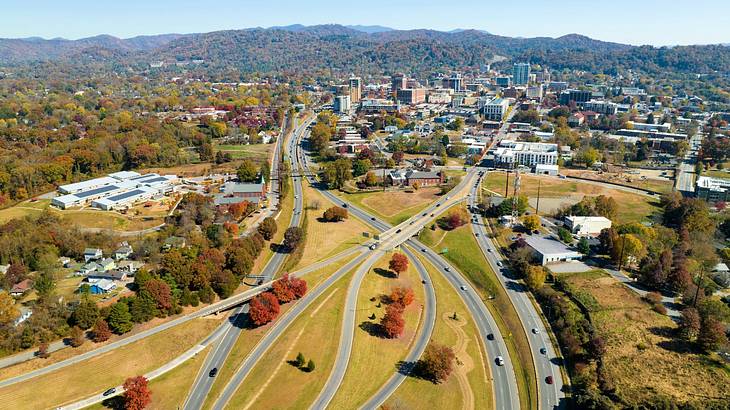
column 465, row 254
column 393, row 206
column 470, row 385
column 316, row 333
column 254, row 152
column 643, row 359
column 249, row 337
column 328, row 238
column 374, row 359
column 110, row 369
column 631, row 207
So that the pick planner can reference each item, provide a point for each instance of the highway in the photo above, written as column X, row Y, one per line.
column 216, row 358
column 505, row 384
column 549, row 396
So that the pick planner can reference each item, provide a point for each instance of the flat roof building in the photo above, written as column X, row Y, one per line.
column 511, row 153
column 550, row 250
column 713, row 189
column 116, row 192
column 587, row 225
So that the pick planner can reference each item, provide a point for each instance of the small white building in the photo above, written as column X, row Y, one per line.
column 587, row 225
column 547, row 169
column 550, row 250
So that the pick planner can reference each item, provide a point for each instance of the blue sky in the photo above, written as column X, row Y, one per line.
column 655, row 22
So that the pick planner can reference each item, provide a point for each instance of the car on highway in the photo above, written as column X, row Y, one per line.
column 499, row 360
column 372, row 218
column 476, row 234
column 490, row 336
column 462, row 287
column 344, row 205
column 499, row 264
column 431, row 214
column 549, row 380
column 543, row 350
column 425, row 214
column 489, row 249
column 109, row 392
column 535, row 330
column 398, row 231
column 447, row 269
column 438, row 205
column 213, row 372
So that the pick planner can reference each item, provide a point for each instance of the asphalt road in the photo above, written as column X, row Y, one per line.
column 505, row 385
column 216, row 358
column 549, row 396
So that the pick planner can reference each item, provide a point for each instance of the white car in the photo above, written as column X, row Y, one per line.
column 463, row 287
column 535, row 330
column 500, row 361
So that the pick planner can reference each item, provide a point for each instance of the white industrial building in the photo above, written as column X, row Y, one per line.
column 547, row 169
column 511, row 152
column 587, row 225
column 115, row 191
column 549, row 250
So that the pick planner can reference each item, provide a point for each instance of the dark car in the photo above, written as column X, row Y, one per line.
column 398, row 231
column 543, row 350
column 213, row 372
column 109, row 391
column 372, row 218
column 490, row 336
column 549, row 380
column 438, row 205
column 344, row 205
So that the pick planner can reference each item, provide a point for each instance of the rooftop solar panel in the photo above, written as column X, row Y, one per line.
column 125, row 195
column 96, row 191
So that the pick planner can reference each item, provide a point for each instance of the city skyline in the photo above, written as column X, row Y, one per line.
column 615, row 22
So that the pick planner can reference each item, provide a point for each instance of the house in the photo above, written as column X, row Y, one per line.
column 173, row 242
column 92, row 254
column 124, row 251
column 64, row 261
column 576, row 120
column 424, row 178
column 549, row 250
column 129, row 266
column 587, row 225
column 88, row 268
column 110, row 275
column 106, row 264
column 236, row 192
column 101, row 286
column 20, row 288
column 396, row 177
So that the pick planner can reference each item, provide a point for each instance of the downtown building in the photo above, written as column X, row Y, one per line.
column 511, row 153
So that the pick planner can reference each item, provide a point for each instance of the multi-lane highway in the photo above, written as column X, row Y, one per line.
column 216, row 358
column 541, row 347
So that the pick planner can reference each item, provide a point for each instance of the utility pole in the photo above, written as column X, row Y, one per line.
column 506, row 186
column 515, row 211
column 697, row 291
column 537, row 208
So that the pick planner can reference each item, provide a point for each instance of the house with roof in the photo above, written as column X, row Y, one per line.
column 237, row 192
column 124, row 251
column 87, row 268
column 396, row 177
column 4, row 269
column 129, row 266
column 92, row 254
column 21, row 287
column 106, row 264
column 424, row 178
column 550, row 250
column 110, row 275
column 174, row 242
column 576, row 120
column 101, row 286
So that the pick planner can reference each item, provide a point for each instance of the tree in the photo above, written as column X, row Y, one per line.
column 361, row 167
column 161, row 294
column 263, row 308
column 629, row 247
column 455, row 218
column 401, row 296
column 101, row 331
column 335, row 214
column 77, row 336
column 247, row 172
column 337, row 173
column 293, row 237
column 392, row 322
column 44, row 285
column 268, row 228
column 437, row 362
column 565, row 235
column 535, row 277
column 689, row 325
column 120, row 320
column 310, row 366
column 85, row 314
column 8, row 311
column 531, row 222
column 398, row 156
column 224, row 283
column 712, row 334
column 371, row 179
column 300, row 360
column 583, row 246
column 398, row 263
column 43, row 351
column 136, row 393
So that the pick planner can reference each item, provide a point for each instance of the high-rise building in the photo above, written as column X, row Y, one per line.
column 455, row 82
column 411, row 95
column 342, row 104
column 397, row 82
column 521, row 73
column 503, row 81
column 355, row 89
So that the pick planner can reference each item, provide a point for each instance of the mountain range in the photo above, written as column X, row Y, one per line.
column 364, row 49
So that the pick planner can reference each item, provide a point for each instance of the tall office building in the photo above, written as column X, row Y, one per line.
column 342, row 104
column 355, row 89
column 397, row 82
column 455, row 82
column 521, row 73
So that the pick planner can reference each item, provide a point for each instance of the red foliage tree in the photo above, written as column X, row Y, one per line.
column 263, row 308
column 289, row 288
column 299, row 287
column 398, row 157
column 160, row 292
column 136, row 393
column 393, row 323
column 402, row 296
column 437, row 362
column 398, row 263
column 102, row 333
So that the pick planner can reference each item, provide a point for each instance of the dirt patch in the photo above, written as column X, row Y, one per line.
column 464, row 363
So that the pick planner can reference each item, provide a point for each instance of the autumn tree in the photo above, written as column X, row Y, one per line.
column 160, row 293
column 535, row 277
column 263, row 308
column 77, row 336
column 402, row 296
column 712, row 334
column 8, row 310
column 137, row 394
column 437, row 362
column 268, row 228
column 288, row 288
column 293, row 237
column 101, row 331
column 392, row 322
column 247, row 172
column 531, row 222
column 627, row 247
column 689, row 325
column 398, row 263
column 335, row 214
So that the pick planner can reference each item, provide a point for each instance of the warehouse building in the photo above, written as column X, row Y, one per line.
column 115, row 191
column 587, row 225
column 550, row 250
